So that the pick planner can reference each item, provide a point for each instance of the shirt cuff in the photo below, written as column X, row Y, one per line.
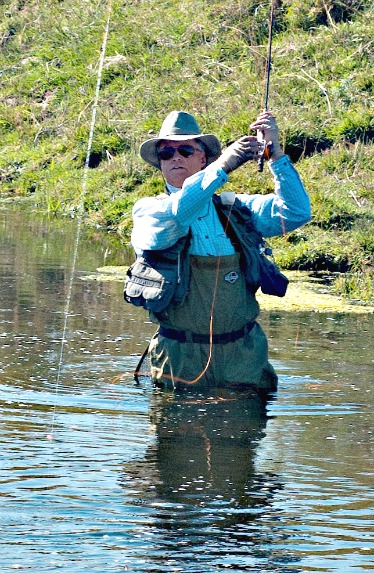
column 279, row 165
column 213, row 176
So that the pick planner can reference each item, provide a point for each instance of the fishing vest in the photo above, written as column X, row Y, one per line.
column 259, row 271
column 160, row 277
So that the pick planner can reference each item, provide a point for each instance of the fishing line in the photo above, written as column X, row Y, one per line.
column 195, row 380
column 80, row 211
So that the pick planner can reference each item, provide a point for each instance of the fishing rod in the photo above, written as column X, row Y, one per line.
column 260, row 135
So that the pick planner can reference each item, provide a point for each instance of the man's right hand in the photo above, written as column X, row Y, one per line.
column 244, row 149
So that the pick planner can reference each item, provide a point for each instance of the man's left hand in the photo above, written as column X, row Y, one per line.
column 267, row 127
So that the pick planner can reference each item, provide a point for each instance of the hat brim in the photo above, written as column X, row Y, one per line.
column 148, row 149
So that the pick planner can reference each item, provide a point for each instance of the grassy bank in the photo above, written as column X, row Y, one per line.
column 206, row 57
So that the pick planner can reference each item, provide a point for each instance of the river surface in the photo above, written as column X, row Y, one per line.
column 100, row 474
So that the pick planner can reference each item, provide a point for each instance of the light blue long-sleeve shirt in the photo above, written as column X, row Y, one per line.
column 160, row 221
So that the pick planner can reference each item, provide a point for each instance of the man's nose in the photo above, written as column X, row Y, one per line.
column 177, row 154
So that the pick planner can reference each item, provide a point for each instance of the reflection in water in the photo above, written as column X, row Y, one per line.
column 200, row 482
column 141, row 481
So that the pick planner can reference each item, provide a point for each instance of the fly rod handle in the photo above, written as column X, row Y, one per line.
column 266, row 153
column 261, row 159
column 260, row 164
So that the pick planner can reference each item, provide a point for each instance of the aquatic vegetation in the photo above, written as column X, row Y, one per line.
column 306, row 291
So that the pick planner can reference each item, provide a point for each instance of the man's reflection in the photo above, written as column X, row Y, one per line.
column 206, row 445
column 203, row 504
column 204, row 452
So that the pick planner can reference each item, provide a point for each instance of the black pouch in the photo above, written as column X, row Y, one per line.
column 150, row 288
column 272, row 281
column 157, row 278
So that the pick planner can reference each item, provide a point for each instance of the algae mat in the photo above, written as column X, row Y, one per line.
column 306, row 291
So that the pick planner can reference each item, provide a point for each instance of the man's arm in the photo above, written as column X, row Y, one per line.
column 160, row 222
column 286, row 209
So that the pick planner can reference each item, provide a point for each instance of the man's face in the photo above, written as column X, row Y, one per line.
column 178, row 167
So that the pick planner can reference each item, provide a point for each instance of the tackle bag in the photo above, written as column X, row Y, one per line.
column 272, row 281
column 160, row 277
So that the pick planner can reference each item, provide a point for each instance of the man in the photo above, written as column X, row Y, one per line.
column 209, row 336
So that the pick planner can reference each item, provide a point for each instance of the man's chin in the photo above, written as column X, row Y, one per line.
column 177, row 179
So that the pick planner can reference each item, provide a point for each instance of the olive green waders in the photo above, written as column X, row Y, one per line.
column 180, row 352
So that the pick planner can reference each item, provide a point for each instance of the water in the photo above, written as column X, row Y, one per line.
column 139, row 481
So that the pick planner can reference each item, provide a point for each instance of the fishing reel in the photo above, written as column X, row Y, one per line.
column 266, row 154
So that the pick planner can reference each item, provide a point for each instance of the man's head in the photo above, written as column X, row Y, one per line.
column 187, row 149
column 180, row 159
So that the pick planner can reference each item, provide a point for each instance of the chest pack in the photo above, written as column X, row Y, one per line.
column 160, row 277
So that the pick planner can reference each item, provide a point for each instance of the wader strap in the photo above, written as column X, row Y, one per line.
column 224, row 338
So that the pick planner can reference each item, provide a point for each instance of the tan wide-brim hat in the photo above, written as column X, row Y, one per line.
column 179, row 126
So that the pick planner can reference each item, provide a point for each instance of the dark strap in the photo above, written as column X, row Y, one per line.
column 225, row 221
column 224, row 338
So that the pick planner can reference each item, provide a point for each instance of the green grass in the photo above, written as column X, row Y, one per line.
column 207, row 57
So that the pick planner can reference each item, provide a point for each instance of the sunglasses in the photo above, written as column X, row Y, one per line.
column 184, row 150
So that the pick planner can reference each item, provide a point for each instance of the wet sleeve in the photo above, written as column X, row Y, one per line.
column 158, row 222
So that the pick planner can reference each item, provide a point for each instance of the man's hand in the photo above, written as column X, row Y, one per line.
column 244, row 149
column 267, row 128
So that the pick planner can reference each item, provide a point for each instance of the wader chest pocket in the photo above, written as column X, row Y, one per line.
column 148, row 287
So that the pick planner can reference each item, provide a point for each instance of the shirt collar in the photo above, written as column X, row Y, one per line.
column 171, row 188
